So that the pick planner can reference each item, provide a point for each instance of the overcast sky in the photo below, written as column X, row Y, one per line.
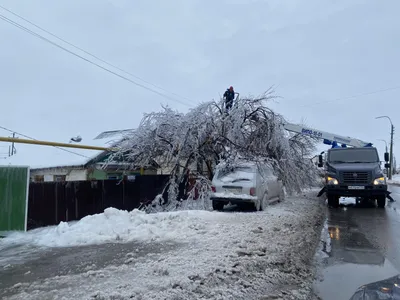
column 314, row 51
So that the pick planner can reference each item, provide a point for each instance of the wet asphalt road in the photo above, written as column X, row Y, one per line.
column 364, row 247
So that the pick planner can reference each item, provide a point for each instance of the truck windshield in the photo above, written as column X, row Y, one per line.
column 353, row 156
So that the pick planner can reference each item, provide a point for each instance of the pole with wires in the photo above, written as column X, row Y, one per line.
column 386, row 150
column 31, row 138
column 391, row 145
column 11, row 148
column 53, row 144
column 391, row 151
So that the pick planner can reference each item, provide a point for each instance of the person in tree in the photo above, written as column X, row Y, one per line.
column 229, row 96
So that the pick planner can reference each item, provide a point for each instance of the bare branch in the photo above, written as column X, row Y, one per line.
column 207, row 134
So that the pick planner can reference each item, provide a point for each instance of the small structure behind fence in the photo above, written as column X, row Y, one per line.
column 53, row 202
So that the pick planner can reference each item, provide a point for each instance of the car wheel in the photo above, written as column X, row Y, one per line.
column 217, row 205
column 381, row 200
column 333, row 201
column 282, row 194
column 257, row 205
column 264, row 202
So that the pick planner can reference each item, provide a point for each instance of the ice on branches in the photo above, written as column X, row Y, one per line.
column 196, row 141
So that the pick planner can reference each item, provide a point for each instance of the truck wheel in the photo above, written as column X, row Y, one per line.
column 264, row 202
column 381, row 201
column 333, row 201
column 217, row 205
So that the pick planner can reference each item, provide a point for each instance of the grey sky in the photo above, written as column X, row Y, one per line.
column 314, row 51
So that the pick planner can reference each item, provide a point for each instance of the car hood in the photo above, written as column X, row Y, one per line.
column 355, row 166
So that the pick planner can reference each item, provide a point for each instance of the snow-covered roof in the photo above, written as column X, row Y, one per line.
column 37, row 156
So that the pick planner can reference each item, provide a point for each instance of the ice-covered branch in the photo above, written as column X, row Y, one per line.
column 206, row 135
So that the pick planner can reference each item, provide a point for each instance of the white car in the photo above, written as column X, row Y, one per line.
column 246, row 183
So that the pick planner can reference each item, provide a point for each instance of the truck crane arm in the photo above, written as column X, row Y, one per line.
column 329, row 138
column 353, row 188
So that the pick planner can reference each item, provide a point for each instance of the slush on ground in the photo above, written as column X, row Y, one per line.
column 172, row 255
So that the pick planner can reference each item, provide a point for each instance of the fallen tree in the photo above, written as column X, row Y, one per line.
column 207, row 135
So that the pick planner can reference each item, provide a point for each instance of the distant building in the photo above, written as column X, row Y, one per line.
column 92, row 169
column 202, row 167
column 97, row 167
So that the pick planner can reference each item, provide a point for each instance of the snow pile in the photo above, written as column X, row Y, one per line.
column 237, row 176
column 323, row 252
column 395, row 180
column 325, row 247
column 347, row 201
column 230, row 195
column 225, row 256
column 118, row 226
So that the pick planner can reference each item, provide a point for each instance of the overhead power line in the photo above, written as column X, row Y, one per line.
column 353, row 96
column 31, row 138
column 92, row 55
column 16, row 24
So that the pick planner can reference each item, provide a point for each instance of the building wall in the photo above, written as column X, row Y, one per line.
column 65, row 174
column 97, row 174
column 49, row 174
column 77, row 175
column 47, row 177
column 166, row 170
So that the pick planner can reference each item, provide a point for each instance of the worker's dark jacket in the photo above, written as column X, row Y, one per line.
column 229, row 95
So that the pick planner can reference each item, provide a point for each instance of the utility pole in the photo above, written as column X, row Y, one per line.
column 391, row 150
column 11, row 149
column 391, row 144
column 386, row 150
column 54, row 144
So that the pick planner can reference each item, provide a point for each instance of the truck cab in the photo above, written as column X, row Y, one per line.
column 354, row 172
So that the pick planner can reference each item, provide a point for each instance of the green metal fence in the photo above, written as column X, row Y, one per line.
column 14, row 190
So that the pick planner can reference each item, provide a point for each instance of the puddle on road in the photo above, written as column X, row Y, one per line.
column 347, row 260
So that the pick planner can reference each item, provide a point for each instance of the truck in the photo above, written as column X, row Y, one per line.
column 351, row 169
column 354, row 172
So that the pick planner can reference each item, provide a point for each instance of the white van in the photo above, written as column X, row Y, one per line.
column 246, row 183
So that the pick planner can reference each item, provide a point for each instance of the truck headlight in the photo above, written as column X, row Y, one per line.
column 331, row 180
column 380, row 180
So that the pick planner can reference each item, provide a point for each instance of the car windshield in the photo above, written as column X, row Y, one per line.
column 353, row 156
column 236, row 173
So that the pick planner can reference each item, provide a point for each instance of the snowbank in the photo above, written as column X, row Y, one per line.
column 395, row 180
column 118, row 226
column 231, row 195
column 230, row 255
column 347, row 201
